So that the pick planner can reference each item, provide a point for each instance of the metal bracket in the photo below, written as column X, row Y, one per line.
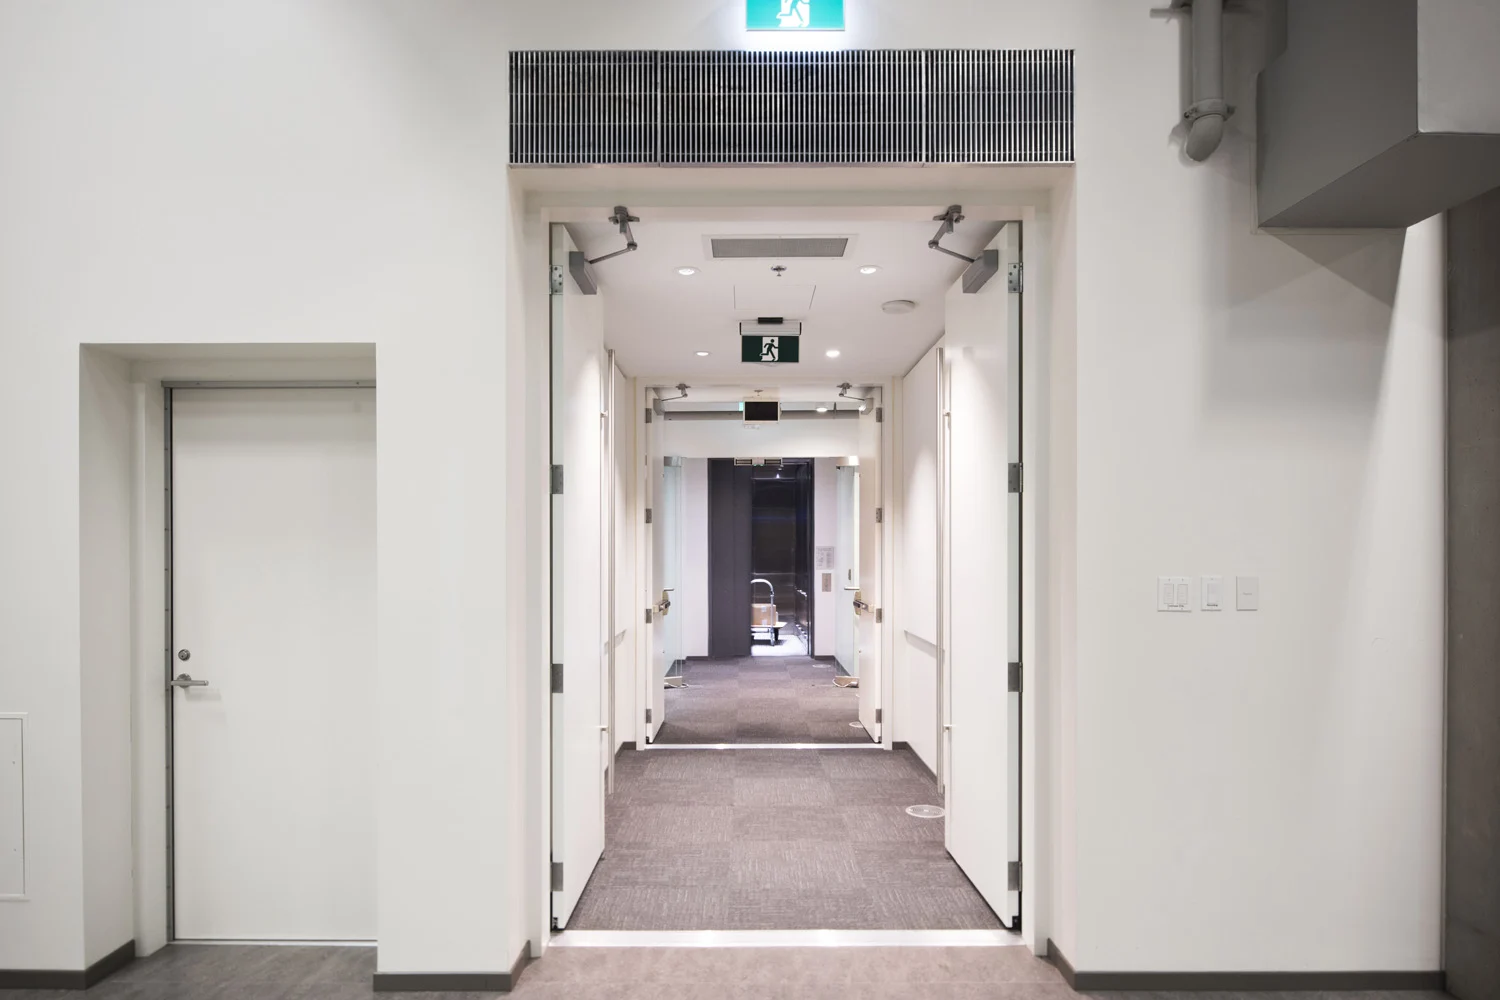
column 1016, row 478
column 878, row 714
column 648, row 716
column 1013, row 876
column 949, row 220
column 1015, row 276
column 556, row 284
column 557, row 678
column 557, row 876
column 648, row 616
column 557, row 480
column 648, row 515
column 650, row 414
column 623, row 219
column 879, row 515
column 1013, row 679
column 880, row 616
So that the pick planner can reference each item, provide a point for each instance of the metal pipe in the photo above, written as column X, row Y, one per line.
column 1208, row 112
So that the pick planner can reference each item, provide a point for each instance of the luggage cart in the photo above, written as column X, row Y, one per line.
column 763, row 620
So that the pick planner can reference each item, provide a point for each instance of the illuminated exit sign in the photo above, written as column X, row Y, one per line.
column 794, row 15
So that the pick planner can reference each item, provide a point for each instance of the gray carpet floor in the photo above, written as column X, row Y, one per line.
column 761, row 699
column 775, row 840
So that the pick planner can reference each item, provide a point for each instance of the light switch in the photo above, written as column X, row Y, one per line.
column 1212, row 589
column 1247, row 593
column 1173, row 593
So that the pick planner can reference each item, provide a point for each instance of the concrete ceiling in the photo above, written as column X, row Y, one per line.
column 656, row 319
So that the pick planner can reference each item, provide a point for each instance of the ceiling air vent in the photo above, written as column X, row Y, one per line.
column 776, row 247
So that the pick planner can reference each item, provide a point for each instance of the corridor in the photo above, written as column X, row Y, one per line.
column 761, row 699
column 772, row 840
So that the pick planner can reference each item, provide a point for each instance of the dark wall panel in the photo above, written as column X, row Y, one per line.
column 1472, row 920
column 729, row 571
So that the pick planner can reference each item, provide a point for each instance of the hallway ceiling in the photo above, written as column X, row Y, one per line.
column 657, row 319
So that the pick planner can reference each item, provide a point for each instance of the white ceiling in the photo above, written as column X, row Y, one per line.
column 656, row 319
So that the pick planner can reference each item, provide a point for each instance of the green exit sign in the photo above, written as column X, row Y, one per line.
column 769, row 350
column 794, row 15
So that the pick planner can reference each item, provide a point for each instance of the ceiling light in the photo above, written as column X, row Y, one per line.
column 687, row 272
column 833, row 353
column 702, row 354
column 898, row 307
column 862, row 407
column 822, row 409
column 868, row 269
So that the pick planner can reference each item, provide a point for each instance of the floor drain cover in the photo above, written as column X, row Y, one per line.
column 926, row 812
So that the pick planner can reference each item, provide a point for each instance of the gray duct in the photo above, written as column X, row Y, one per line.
column 1208, row 112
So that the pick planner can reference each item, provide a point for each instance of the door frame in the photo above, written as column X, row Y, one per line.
column 776, row 193
column 168, row 386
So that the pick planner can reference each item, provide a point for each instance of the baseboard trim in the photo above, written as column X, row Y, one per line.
column 824, row 659
column 454, row 982
column 69, row 979
column 1243, row 981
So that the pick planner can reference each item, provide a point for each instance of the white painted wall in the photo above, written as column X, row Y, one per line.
column 276, row 171
column 695, row 557
column 105, row 419
column 785, row 439
column 917, row 638
column 825, row 535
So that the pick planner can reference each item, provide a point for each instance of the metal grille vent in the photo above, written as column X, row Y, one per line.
column 727, row 107
column 777, row 247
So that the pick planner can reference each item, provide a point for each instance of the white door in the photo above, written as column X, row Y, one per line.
column 666, row 536
column 581, row 379
column 871, row 527
column 982, row 582
column 846, row 559
column 656, row 574
column 273, row 622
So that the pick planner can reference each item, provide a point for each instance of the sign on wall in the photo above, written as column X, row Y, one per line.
column 794, row 15
column 769, row 350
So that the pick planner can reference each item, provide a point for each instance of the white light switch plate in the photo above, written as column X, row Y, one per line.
column 1247, row 593
column 1173, row 593
column 1211, row 593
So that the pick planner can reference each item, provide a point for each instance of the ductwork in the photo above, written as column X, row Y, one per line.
column 1208, row 112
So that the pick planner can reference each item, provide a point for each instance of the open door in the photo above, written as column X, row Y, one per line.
column 867, row 602
column 666, row 586
column 981, row 581
column 581, row 384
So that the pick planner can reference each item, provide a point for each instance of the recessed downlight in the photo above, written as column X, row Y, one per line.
column 687, row 272
column 701, row 354
column 869, row 269
column 833, row 353
column 822, row 409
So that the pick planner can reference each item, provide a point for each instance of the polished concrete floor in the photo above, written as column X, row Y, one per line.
column 773, row 840
column 199, row 972
column 761, row 699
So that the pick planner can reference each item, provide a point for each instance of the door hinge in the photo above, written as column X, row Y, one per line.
column 878, row 713
column 648, row 616
column 880, row 616
column 879, row 515
column 1016, row 276
column 557, row 678
column 650, row 414
column 1013, row 876
column 557, row 876
column 1015, row 477
column 1013, row 681
column 880, row 414
column 648, row 515
column 557, row 480
column 555, row 284
column 648, row 716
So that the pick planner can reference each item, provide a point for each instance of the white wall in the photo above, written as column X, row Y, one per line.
column 694, row 595
column 917, row 638
column 1248, row 403
column 106, row 403
column 274, row 171
column 785, row 439
column 825, row 535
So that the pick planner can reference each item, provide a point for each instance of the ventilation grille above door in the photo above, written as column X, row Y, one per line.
column 776, row 247
column 1006, row 106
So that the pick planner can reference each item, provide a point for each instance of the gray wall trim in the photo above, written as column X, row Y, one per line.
column 455, row 982
column 69, row 979
column 1056, row 957
column 1240, row 980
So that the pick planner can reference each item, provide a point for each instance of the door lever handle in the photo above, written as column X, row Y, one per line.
column 186, row 681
